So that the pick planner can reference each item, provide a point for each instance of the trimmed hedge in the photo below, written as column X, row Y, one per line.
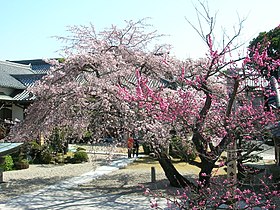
column 21, row 164
column 8, row 163
column 80, row 156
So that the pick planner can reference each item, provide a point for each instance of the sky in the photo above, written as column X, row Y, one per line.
column 28, row 27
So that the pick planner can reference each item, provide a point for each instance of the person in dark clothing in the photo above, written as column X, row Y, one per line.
column 135, row 147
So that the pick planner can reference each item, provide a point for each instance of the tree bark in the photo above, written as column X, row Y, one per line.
column 174, row 177
column 207, row 166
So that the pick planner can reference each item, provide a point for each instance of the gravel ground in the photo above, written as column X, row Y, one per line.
column 136, row 179
column 39, row 176
column 132, row 181
column 129, row 180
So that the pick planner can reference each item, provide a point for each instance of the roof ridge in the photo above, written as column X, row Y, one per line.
column 9, row 63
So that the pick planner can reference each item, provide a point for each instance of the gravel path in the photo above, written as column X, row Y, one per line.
column 121, row 189
column 39, row 176
column 114, row 189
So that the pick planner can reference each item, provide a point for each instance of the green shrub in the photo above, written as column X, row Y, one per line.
column 59, row 158
column 35, row 146
column 57, row 141
column 182, row 150
column 87, row 136
column 8, row 163
column 147, row 147
column 21, row 164
column 80, row 156
column 68, row 159
column 34, row 151
column 45, row 156
column 81, row 149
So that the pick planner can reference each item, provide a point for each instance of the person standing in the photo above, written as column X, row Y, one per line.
column 130, row 143
column 136, row 147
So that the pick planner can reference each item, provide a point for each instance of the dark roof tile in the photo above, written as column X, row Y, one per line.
column 8, row 69
column 19, row 76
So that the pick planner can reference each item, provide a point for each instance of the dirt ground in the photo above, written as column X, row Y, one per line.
column 136, row 178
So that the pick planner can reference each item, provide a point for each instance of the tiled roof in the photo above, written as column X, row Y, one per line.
column 131, row 81
column 24, row 96
column 28, row 79
column 152, row 83
column 9, row 82
column 39, row 66
column 41, row 69
column 8, row 69
column 19, row 76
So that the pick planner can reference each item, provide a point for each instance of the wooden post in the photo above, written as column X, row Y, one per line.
column 232, row 170
column 1, row 175
column 2, row 161
column 232, row 165
column 153, row 174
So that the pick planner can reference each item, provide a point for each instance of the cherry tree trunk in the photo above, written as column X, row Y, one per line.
column 207, row 166
column 173, row 176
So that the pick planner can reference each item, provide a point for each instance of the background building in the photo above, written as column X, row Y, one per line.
column 15, row 78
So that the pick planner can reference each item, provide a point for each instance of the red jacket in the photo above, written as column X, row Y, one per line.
column 130, row 142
